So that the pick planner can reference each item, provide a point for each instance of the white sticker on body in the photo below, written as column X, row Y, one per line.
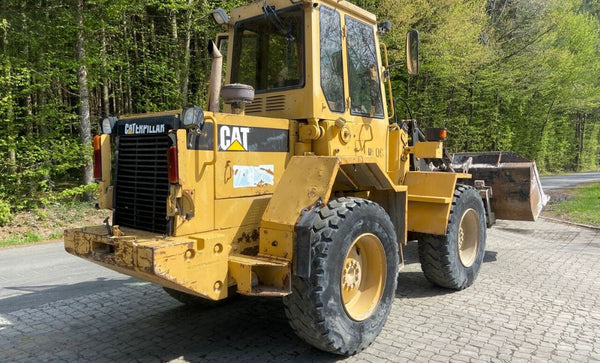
column 253, row 176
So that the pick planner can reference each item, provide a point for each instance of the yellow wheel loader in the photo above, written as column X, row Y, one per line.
column 304, row 186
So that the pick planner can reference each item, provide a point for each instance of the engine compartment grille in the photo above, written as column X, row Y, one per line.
column 142, row 184
column 267, row 104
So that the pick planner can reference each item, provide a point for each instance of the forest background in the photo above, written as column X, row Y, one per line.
column 520, row 75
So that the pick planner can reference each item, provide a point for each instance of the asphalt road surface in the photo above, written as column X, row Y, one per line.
column 536, row 299
column 38, row 274
column 569, row 180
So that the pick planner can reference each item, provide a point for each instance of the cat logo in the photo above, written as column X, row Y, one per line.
column 233, row 138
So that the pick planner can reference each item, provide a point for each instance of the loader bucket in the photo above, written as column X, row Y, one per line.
column 517, row 192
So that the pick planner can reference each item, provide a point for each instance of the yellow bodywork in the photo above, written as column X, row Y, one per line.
column 105, row 184
column 196, row 264
column 226, row 234
column 430, row 197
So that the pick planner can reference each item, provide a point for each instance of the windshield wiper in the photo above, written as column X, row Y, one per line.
column 271, row 14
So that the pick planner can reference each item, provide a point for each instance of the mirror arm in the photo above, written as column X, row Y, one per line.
column 388, row 79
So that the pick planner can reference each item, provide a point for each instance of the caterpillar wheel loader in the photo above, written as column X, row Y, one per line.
column 304, row 187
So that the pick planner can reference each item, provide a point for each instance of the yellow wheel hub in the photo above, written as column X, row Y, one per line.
column 468, row 237
column 363, row 276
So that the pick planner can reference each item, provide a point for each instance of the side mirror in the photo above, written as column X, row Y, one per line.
column 412, row 52
column 384, row 27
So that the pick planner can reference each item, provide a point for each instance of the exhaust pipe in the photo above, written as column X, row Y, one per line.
column 215, row 77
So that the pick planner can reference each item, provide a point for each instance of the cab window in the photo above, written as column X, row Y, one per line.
column 363, row 71
column 268, row 51
column 332, row 72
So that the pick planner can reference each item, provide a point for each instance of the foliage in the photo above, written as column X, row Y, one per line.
column 5, row 215
column 49, row 222
column 505, row 75
column 71, row 195
column 515, row 75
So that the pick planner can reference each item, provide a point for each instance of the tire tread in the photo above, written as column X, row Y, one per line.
column 304, row 308
column 435, row 255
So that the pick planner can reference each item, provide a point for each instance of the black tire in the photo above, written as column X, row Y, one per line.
column 197, row 301
column 346, row 231
column 443, row 262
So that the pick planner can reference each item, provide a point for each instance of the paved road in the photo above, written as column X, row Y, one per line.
column 536, row 299
column 569, row 180
column 35, row 275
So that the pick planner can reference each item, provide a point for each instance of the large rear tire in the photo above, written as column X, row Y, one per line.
column 344, row 304
column 454, row 260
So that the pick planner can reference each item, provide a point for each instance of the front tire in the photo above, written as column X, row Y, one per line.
column 454, row 260
column 344, row 304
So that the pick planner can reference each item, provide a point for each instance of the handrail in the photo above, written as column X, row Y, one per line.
column 215, row 139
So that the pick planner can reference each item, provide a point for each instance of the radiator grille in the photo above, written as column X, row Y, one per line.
column 142, row 184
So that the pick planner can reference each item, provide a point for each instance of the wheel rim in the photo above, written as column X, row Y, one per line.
column 468, row 237
column 363, row 276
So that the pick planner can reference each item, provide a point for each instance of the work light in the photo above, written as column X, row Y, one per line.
column 193, row 117
column 108, row 124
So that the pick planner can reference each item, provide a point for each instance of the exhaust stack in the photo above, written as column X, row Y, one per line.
column 215, row 77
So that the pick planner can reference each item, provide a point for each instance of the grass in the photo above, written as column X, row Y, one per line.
column 25, row 238
column 581, row 206
column 48, row 223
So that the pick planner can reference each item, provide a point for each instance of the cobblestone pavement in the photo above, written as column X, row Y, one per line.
column 536, row 299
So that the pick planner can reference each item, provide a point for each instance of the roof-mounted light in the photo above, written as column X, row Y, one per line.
column 220, row 16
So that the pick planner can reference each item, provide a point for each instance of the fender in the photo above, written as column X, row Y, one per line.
column 430, row 196
column 309, row 181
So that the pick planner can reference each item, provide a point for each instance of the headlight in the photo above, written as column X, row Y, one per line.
column 193, row 117
column 108, row 124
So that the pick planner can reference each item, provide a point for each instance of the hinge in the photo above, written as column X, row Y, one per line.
column 344, row 31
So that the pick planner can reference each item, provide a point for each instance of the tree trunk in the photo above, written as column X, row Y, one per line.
column 125, row 84
column 186, row 56
column 28, row 109
column 84, row 99
column 175, row 35
column 105, row 80
column 579, row 141
column 12, row 154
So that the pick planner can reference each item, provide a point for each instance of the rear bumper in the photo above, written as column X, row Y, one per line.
column 196, row 265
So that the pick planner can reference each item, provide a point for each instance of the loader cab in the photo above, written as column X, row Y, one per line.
column 268, row 50
column 307, row 60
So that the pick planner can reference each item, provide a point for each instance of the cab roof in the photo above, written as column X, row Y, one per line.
column 255, row 8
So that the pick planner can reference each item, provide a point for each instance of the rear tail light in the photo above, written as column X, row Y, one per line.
column 97, row 157
column 436, row 134
column 173, row 165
